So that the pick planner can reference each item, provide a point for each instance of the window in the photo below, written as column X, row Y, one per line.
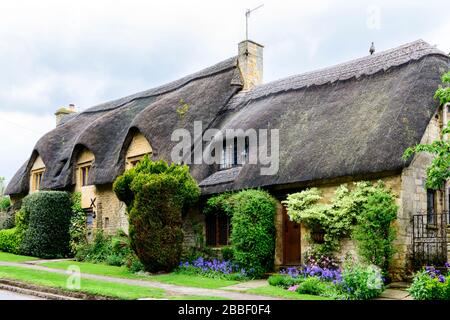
column 232, row 156
column 106, row 223
column 134, row 163
column 36, row 180
column 218, row 230
column 431, row 206
column 85, row 175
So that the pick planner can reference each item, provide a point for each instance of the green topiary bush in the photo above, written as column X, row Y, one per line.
column 253, row 233
column 252, row 215
column 48, row 214
column 10, row 241
column 156, row 195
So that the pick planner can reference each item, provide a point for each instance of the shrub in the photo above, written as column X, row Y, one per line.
column 156, row 195
column 5, row 203
column 112, row 250
column 430, row 284
column 360, row 282
column 227, row 253
column 10, row 241
column 365, row 212
column 374, row 233
column 213, row 269
column 253, row 233
column 284, row 281
column 47, row 235
column 77, row 229
column 312, row 285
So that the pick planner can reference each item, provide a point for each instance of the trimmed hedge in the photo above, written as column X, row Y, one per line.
column 253, row 233
column 252, row 215
column 10, row 241
column 156, row 195
column 48, row 214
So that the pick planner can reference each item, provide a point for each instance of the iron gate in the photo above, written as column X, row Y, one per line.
column 430, row 239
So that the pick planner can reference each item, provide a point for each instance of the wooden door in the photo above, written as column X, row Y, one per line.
column 292, row 245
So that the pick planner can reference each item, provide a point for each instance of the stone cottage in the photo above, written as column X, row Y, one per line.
column 336, row 125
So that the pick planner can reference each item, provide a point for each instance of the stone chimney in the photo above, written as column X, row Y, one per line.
column 64, row 111
column 250, row 62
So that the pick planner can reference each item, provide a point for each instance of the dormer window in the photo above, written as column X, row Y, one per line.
column 36, row 174
column 85, row 161
column 234, row 155
column 139, row 147
column 84, row 175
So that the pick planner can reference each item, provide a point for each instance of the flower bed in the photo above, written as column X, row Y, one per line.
column 431, row 284
column 352, row 282
column 215, row 268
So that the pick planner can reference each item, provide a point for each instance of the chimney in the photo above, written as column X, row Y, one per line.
column 250, row 62
column 63, row 111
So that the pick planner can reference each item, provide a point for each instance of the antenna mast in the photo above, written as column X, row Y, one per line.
column 247, row 16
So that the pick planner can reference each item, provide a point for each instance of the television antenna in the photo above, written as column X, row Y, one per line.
column 247, row 16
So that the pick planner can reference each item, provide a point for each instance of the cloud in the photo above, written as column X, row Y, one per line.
column 19, row 132
column 56, row 52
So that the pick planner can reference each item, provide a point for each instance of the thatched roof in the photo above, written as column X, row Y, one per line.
column 350, row 119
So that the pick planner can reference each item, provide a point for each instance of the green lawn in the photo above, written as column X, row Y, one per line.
column 282, row 293
column 14, row 258
column 97, row 287
column 122, row 272
column 197, row 298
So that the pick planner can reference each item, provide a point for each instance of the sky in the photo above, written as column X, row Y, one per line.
column 57, row 52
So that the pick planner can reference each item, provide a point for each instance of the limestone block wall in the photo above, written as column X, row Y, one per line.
column 193, row 227
column 414, row 195
column 111, row 213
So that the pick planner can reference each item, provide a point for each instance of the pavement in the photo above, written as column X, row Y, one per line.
column 8, row 295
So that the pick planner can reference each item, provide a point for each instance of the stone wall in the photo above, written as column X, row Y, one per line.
column 193, row 227
column 328, row 191
column 414, row 197
column 408, row 187
column 111, row 213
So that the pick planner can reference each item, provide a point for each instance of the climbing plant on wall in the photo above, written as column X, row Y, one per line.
column 365, row 213
column 438, row 172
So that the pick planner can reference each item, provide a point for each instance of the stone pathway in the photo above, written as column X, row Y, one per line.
column 396, row 291
column 170, row 288
column 252, row 284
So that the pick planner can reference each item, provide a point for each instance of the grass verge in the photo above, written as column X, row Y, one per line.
column 9, row 257
column 282, row 293
column 123, row 272
column 95, row 287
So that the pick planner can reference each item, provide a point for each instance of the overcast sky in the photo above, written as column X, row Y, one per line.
column 53, row 53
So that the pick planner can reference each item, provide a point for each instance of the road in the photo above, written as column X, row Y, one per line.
column 8, row 295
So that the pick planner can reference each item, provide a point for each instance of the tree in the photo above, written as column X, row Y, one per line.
column 156, row 194
column 2, row 186
column 438, row 172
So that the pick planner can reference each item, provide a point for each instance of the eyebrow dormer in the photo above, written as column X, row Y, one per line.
column 36, row 174
column 138, row 148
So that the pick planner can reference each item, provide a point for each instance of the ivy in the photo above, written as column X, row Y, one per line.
column 438, row 172
column 364, row 213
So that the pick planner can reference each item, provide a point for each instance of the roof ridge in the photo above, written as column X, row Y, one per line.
column 366, row 65
column 165, row 88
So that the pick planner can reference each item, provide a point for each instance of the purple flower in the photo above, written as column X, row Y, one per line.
column 441, row 279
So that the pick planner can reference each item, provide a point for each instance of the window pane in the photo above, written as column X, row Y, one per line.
column 431, row 210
